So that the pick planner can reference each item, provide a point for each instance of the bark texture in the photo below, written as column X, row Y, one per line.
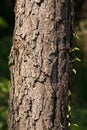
column 39, row 65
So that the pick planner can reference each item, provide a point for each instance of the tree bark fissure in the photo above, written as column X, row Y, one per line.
column 39, row 65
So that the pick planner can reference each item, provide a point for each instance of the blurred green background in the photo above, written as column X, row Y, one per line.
column 79, row 81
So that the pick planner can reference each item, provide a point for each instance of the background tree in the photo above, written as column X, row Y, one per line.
column 39, row 64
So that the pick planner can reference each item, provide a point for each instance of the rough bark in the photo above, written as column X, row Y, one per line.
column 39, row 65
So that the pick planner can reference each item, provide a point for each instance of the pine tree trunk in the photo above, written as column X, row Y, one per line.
column 39, row 65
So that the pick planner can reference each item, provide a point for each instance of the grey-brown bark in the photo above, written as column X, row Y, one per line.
column 39, row 65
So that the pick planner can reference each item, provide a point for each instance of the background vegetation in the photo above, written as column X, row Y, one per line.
column 79, row 81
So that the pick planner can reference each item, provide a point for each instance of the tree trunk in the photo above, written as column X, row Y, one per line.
column 39, row 65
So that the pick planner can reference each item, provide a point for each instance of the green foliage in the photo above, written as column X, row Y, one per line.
column 5, row 45
column 75, row 49
column 76, row 36
column 4, row 27
column 85, row 24
column 80, row 117
column 80, row 81
column 74, row 58
column 74, row 71
column 3, row 23
column 4, row 90
column 79, row 87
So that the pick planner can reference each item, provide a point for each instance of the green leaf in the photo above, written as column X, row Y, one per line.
column 74, row 71
column 69, row 124
column 69, row 93
column 75, row 125
column 69, row 108
column 76, row 59
column 68, row 116
column 75, row 49
column 76, row 36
